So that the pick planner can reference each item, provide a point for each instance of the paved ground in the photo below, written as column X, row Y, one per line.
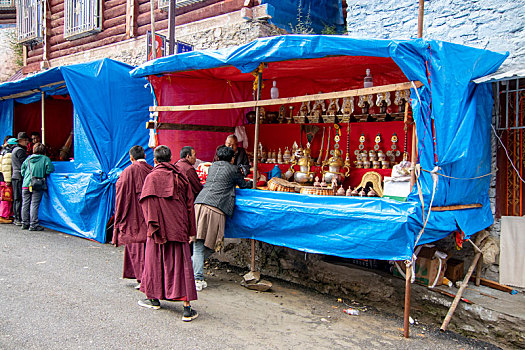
column 63, row 292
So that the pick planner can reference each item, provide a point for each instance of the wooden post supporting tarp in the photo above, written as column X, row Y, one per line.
column 464, row 284
column 255, row 151
column 152, row 13
column 406, row 315
column 43, row 118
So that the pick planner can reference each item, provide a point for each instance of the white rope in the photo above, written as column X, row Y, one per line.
column 507, row 153
column 461, row 178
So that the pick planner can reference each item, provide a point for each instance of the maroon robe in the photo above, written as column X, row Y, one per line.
column 130, row 227
column 185, row 167
column 167, row 202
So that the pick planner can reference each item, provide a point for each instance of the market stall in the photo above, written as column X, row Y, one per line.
column 99, row 111
column 204, row 95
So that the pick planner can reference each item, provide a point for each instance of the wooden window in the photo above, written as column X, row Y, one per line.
column 7, row 4
column 81, row 18
column 29, row 18
column 510, row 126
column 165, row 4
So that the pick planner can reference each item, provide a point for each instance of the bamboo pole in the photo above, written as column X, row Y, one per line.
column 255, row 152
column 406, row 316
column 287, row 100
column 43, row 118
column 413, row 156
column 456, row 300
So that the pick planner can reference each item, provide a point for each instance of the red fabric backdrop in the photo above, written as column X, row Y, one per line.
column 58, row 121
column 227, row 84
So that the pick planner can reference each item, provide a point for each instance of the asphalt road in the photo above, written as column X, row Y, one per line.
column 64, row 292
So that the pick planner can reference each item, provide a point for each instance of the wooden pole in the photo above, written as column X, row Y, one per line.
column 255, row 151
column 456, row 300
column 171, row 25
column 413, row 156
column 406, row 316
column 43, row 118
column 152, row 13
column 288, row 100
column 420, row 18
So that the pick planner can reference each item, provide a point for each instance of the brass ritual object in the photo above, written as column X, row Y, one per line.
column 335, row 165
column 304, row 112
column 347, row 109
column 317, row 112
column 305, row 163
column 331, row 111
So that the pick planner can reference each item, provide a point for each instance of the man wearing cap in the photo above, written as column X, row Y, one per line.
column 18, row 157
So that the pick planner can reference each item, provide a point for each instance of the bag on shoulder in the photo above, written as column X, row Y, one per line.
column 38, row 184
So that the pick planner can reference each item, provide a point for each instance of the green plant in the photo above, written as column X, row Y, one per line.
column 303, row 26
column 329, row 30
column 16, row 48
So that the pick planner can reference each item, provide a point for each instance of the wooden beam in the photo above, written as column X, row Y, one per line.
column 496, row 285
column 287, row 100
column 32, row 91
column 190, row 127
column 457, row 207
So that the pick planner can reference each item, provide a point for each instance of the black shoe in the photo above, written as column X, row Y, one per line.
column 36, row 228
column 150, row 303
column 189, row 314
column 24, row 227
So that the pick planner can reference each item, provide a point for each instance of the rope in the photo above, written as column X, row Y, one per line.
column 507, row 153
column 460, row 178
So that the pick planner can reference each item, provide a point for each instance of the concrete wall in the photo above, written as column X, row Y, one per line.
column 7, row 55
column 496, row 25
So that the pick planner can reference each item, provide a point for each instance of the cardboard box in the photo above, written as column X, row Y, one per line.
column 427, row 267
column 455, row 270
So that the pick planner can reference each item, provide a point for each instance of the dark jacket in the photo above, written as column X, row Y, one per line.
column 18, row 157
column 219, row 189
column 240, row 158
column 185, row 167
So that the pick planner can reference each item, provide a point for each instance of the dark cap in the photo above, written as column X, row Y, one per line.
column 22, row 135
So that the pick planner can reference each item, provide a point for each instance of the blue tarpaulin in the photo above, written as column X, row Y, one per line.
column 459, row 110
column 110, row 109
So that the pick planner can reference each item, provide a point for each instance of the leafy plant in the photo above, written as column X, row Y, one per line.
column 303, row 25
column 16, row 48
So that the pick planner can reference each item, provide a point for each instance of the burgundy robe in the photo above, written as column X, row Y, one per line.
column 167, row 202
column 185, row 167
column 130, row 227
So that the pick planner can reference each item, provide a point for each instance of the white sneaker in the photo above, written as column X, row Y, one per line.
column 200, row 285
column 137, row 287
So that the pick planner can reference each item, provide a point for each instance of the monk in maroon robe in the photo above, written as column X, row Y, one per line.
column 130, row 227
column 185, row 164
column 167, row 203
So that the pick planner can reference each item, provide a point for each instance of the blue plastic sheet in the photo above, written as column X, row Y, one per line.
column 343, row 226
column 110, row 110
column 448, row 102
column 6, row 117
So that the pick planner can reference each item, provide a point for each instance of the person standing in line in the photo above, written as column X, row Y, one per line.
column 130, row 227
column 6, row 206
column 185, row 164
column 214, row 202
column 18, row 157
column 167, row 203
column 39, row 166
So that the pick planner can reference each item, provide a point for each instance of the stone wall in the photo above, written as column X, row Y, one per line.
column 496, row 25
column 7, row 55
